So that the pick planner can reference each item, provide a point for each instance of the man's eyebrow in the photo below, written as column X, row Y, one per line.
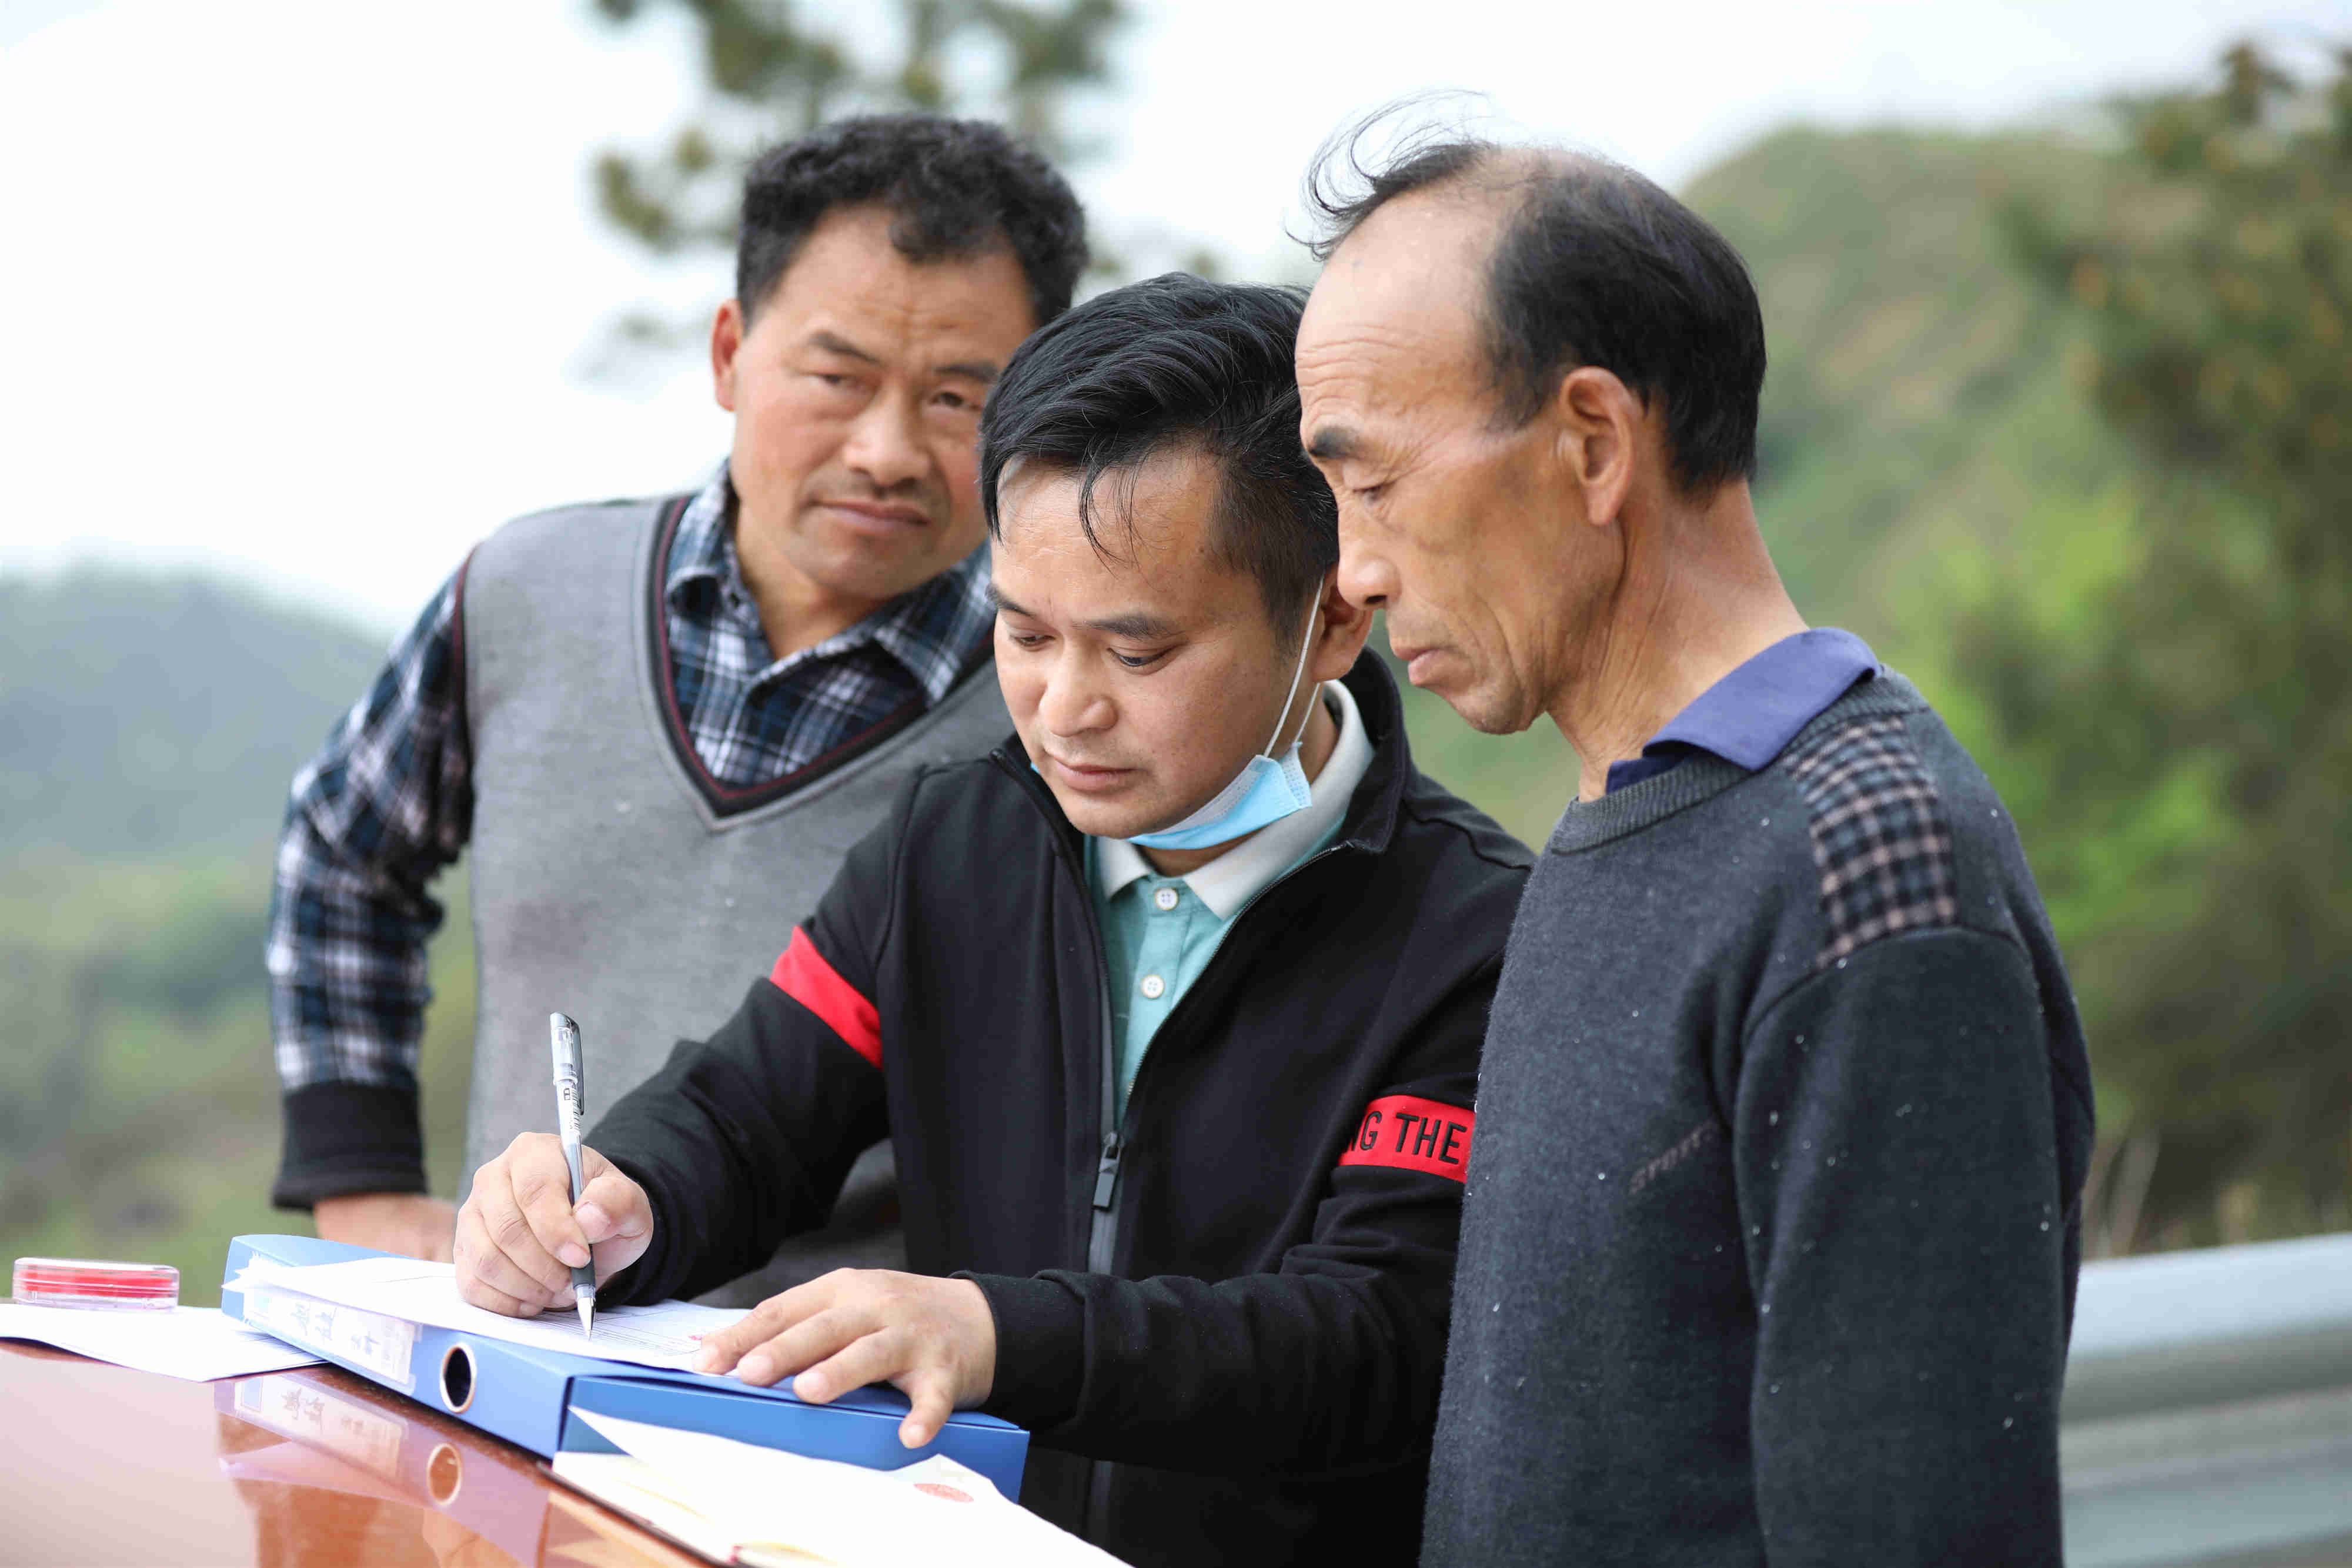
column 1140, row 625
column 1333, row 443
column 831, row 344
column 985, row 371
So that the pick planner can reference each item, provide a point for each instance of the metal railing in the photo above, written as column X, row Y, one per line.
column 2207, row 1412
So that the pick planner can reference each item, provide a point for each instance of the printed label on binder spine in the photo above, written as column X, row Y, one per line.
column 376, row 1344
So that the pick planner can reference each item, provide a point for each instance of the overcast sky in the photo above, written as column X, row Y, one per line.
column 306, row 290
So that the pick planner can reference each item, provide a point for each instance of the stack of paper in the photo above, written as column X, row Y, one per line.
column 411, row 1290
column 733, row 1502
column 194, row 1343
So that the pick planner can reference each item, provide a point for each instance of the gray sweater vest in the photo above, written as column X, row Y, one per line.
column 612, row 879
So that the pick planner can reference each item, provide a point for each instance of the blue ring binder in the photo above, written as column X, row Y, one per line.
column 526, row 1395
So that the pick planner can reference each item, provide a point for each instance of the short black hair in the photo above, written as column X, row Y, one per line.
column 1155, row 366
column 1595, row 265
column 957, row 188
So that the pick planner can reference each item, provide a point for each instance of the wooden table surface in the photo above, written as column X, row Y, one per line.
column 100, row 1466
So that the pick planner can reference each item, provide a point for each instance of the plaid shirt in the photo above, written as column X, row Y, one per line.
column 389, row 801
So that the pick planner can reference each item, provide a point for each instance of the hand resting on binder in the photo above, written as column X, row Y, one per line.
column 932, row 1340
column 518, row 1238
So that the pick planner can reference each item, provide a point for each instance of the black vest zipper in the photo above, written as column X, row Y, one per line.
column 1102, row 1223
column 1102, row 1229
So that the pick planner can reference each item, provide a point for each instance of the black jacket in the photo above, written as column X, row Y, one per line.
column 1238, row 1296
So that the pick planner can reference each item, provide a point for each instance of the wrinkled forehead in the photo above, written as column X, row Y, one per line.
column 1395, row 317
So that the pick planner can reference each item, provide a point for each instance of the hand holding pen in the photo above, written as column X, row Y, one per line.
column 526, row 1234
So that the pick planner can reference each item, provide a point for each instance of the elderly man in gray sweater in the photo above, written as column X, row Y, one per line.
column 1772, row 1233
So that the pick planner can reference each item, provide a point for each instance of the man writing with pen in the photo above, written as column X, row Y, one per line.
column 1171, row 1009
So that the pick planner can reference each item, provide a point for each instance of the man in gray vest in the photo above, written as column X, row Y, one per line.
column 1769, row 1246
column 660, row 724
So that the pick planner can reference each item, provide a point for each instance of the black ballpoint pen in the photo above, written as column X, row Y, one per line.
column 563, row 1038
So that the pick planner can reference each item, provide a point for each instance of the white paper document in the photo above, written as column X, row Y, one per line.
column 666, row 1335
column 195, row 1343
column 742, row 1503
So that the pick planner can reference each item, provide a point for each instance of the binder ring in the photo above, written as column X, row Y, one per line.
column 457, row 1378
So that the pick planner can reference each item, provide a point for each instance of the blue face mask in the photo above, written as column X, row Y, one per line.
column 1265, row 791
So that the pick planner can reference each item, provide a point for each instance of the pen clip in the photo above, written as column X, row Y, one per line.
column 564, row 1046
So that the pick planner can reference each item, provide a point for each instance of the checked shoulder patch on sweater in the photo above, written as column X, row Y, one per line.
column 1881, row 839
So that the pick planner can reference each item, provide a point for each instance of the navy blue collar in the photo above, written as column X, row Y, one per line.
column 1750, row 716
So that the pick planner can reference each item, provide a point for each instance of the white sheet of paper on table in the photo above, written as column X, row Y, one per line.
column 934, row 1510
column 195, row 1343
column 666, row 1335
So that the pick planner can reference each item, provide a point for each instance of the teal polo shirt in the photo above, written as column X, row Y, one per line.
column 1160, row 931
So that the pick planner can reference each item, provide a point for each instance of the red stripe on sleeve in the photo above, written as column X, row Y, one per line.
column 1413, row 1135
column 803, row 975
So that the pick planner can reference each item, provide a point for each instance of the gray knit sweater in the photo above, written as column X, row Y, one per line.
column 1771, row 1236
column 613, row 878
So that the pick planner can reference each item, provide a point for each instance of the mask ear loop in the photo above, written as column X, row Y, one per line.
column 1282, row 720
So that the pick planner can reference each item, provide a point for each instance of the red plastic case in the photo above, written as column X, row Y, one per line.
column 94, row 1283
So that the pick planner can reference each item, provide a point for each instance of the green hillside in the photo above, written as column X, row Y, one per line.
column 148, row 727
column 154, row 715
column 1917, row 400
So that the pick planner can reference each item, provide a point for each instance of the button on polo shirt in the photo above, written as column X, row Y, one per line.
column 1157, row 936
column 1160, row 931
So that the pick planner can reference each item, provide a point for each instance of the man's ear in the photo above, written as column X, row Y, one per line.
column 726, row 342
column 1341, row 627
column 1601, row 427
